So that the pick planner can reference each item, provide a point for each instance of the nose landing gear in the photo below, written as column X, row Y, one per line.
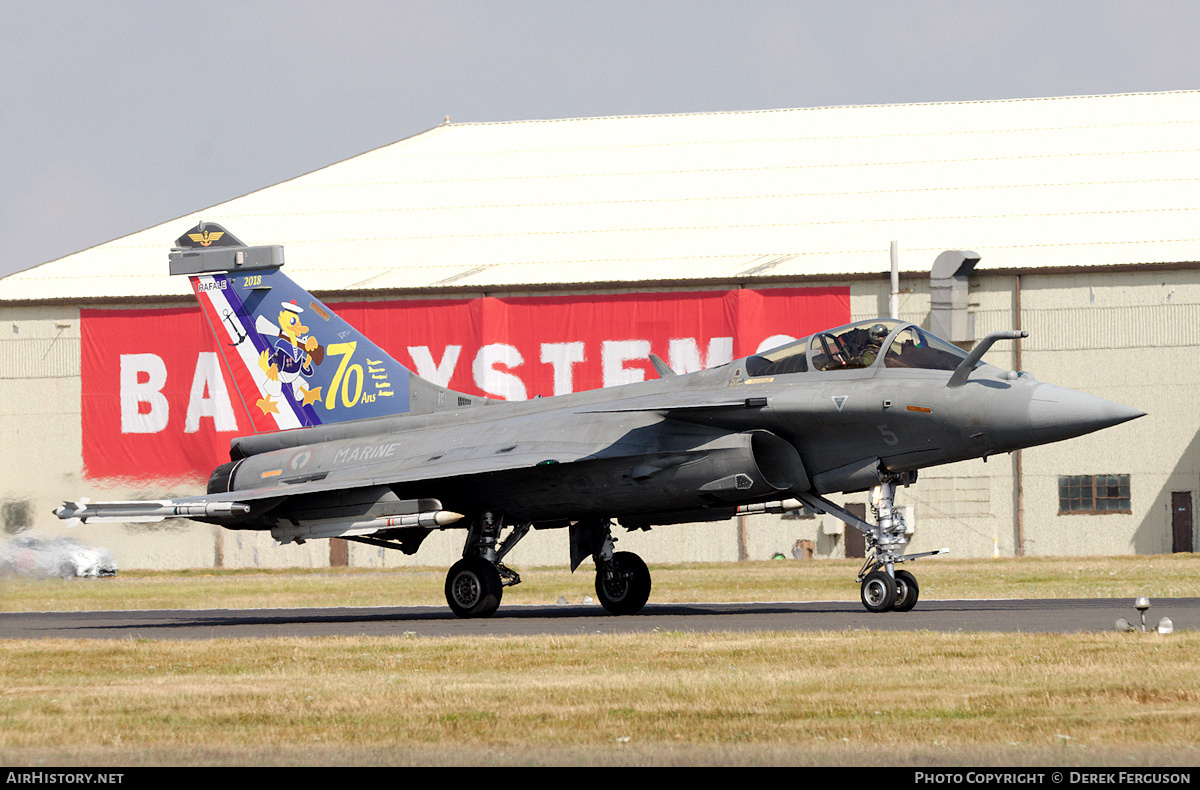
column 884, row 589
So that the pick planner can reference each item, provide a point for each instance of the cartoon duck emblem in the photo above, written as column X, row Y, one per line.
column 291, row 360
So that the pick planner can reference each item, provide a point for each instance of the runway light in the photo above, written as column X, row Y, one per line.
column 1142, row 604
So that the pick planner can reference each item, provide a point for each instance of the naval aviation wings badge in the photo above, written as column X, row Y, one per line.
column 207, row 237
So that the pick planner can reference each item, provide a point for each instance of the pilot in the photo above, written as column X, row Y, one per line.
column 875, row 337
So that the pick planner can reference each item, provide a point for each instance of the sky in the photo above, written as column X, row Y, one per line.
column 119, row 115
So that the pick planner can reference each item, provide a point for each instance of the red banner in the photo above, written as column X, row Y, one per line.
column 159, row 403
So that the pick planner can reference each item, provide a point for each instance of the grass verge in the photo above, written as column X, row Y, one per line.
column 1160, row 576
column 833, row 698
column 664, row 698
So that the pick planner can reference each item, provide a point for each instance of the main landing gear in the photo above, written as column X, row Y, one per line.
column 622, row 579
column 473, row 587
column 884, row 589
column 475, row 584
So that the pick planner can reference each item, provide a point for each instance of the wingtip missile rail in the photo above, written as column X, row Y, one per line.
column 150, row 510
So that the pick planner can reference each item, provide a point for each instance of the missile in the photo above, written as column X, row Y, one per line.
column 151, row 510
column 300, row 531
column 779, row 506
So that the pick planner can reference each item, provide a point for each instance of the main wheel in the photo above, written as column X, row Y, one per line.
column 878, row 592
column 907, row 592
column 626, row 588
column 473, row 588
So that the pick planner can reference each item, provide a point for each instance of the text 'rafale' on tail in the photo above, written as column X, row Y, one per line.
column 375, row 454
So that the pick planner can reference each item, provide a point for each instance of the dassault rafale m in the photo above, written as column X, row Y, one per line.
column 855, row 408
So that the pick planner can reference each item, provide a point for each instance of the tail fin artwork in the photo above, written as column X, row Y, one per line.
column 294, row 362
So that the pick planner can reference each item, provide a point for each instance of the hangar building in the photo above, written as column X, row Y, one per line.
column 1083, row 212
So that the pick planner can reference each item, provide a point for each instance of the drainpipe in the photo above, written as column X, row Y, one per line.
column 1018, row 471
column 894, row 299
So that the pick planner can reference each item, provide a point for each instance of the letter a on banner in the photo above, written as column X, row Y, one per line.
column 208, row 397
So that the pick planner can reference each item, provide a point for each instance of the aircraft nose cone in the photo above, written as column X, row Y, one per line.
column 1058, row 413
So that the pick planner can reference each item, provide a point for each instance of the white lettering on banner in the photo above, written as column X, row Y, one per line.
column 684, row 354
column 217, row 405
column 498, row 383
column 439, row 373
column 774, row 341
column 563, row 356
column 613, row 356
column 134, row 393
column 493, row 364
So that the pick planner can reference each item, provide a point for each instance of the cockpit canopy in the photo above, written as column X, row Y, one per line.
column 859, row 346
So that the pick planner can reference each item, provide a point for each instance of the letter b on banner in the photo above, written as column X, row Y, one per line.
column 143, row 377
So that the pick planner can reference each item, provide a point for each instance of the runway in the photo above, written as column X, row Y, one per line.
column 1032, row 615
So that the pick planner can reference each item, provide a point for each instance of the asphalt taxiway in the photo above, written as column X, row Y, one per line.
column 1029, row 615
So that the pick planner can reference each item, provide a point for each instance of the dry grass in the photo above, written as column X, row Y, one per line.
column 663, row 698
column 859, row 697
column 1162, row 576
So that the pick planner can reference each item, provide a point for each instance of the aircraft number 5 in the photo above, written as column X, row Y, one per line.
column 888, row 436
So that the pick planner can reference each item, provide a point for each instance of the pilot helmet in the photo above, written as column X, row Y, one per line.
column 878, row 332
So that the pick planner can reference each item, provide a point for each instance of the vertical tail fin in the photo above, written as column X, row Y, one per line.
column 294, row 362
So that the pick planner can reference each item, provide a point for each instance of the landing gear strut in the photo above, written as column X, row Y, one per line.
column 884, row 588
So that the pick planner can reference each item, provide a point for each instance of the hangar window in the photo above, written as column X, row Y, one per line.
column 1096, row 494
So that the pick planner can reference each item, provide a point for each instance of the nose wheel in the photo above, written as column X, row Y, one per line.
column 878, row 592
column 883, row 593
column 906, row 592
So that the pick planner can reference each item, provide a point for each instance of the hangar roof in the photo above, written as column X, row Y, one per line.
column 1075, row 181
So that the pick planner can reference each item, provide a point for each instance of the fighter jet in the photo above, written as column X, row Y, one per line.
column 373, row 453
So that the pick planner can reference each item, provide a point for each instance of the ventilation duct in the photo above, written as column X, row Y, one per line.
column 948, row 315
